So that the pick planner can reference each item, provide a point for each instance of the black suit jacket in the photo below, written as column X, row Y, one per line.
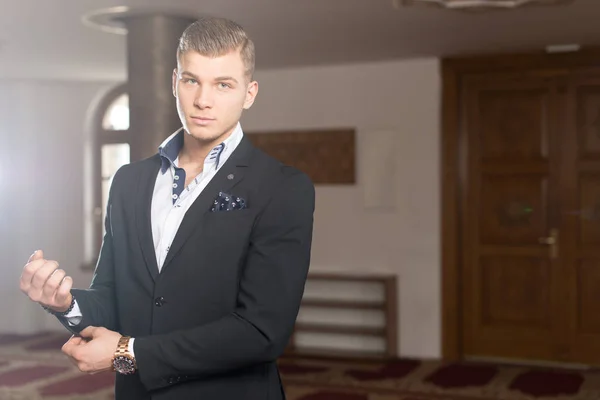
column 213, row 322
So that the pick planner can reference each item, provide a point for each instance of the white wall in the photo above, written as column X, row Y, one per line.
column 41, row 188
column 403, row 97
column 41, row 181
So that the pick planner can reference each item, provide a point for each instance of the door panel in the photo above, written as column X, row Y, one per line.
column 514, row 208
column 580, row 187
column 589, row 210
column 512, row 123
column 514, row 293
column 587, row 108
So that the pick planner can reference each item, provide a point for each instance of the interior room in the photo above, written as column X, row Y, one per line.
column 454, row 148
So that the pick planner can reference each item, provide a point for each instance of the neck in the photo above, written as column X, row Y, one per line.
column 195, row 151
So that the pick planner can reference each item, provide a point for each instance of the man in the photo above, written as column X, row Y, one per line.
column 206, row 250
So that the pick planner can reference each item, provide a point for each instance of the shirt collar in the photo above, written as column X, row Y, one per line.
column 169, row 149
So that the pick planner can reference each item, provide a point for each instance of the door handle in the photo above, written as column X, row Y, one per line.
column 552, row 242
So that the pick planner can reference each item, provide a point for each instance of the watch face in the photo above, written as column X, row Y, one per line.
column 124, row 365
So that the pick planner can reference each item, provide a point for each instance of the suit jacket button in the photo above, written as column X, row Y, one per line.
column 159, row 301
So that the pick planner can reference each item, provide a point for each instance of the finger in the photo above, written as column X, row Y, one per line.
column 53, row 283
column 75, row 339
column 37, row 255
column 83, row 367
column 88, row 332
column 62, row 295
column 27, row 275
column 41, row 276
column 69, row 347
column 80, row 353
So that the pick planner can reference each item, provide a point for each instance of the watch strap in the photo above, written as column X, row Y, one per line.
column 123, row 349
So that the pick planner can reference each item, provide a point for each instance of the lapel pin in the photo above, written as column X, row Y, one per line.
column 230, row 176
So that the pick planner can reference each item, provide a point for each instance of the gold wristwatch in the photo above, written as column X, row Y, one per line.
column 124, row 361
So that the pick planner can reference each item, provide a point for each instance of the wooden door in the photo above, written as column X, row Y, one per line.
column 580, row 186
column 512, row 283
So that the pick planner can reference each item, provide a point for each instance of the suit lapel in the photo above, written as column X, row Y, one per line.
column 230, row 174
column 144, row 215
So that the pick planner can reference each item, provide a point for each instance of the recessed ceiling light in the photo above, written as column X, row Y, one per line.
column 563, row 48
column 111, row 19
column 478, row 4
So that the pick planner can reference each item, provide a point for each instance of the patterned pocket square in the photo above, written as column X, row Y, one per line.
column 227, row 202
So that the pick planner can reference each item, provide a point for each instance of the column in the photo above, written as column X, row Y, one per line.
column 152, row 42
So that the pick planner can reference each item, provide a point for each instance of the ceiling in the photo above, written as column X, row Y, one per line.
column 46, row 39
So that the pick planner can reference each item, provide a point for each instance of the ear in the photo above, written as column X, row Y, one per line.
column 174, row 85
column 251, row 93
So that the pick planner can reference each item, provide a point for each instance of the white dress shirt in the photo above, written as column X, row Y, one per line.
column 168, row 208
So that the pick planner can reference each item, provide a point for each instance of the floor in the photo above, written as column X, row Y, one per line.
column 32, row 368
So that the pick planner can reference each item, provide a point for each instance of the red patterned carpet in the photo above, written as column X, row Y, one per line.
column 32, row 368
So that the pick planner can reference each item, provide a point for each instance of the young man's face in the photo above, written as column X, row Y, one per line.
column 211, row 94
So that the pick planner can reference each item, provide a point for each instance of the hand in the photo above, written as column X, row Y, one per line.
column 45, row 283
column 93, row 352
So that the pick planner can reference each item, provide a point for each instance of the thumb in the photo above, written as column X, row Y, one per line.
column 88, row 332
column 37, row 255
column 76, row 340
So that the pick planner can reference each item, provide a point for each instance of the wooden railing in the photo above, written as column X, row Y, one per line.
column 381, row 302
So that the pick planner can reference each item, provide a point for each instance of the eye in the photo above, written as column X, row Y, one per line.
column 223, row 85
column 190, row 81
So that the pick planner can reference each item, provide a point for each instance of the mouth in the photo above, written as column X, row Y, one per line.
column 202, row 120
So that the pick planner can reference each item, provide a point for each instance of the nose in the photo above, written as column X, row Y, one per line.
column 203, row 98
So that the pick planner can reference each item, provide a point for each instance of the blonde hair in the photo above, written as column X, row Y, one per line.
column 213, row 37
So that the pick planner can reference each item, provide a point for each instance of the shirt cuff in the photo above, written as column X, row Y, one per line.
column 131, row 347
column 74, row 316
